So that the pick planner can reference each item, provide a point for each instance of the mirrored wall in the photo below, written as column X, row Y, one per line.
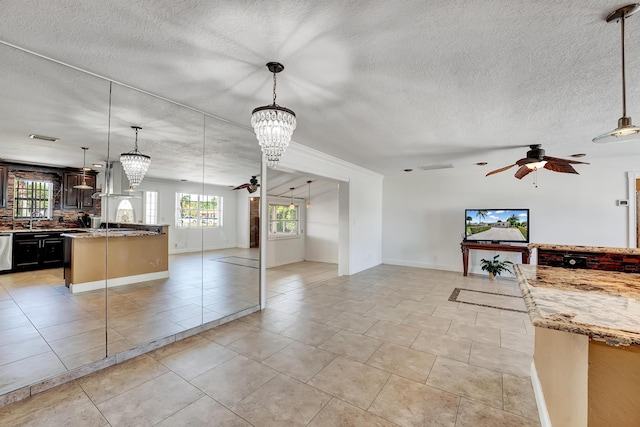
column 95, row 265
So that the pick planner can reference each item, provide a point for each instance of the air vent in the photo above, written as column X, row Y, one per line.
column 435, row 167
column 44, row 138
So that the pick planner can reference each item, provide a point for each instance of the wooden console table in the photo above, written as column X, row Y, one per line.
column 466, row 246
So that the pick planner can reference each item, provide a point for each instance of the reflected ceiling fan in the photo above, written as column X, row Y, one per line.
column 537, row 160
column 251, row 186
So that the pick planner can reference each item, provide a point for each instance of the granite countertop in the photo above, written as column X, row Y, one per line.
column 95, row 234
column 47, row 230
column 595, row 249
column 604, row 305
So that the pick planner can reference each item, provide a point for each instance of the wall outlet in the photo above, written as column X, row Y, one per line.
column 622, row 202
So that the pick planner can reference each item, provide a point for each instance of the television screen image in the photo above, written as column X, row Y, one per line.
column 497, row 225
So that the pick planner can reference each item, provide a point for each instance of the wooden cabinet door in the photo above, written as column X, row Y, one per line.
column 25, row 254
column 75, row 198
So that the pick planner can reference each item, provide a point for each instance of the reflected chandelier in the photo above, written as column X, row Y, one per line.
column 273, row 124
column 134, row 163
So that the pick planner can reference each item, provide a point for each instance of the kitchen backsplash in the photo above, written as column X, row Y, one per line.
column 61, row 218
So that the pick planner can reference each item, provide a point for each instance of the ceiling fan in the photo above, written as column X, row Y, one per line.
column 251, row 186
column 537, row 160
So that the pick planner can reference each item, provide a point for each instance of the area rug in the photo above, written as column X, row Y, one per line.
column 488, row 299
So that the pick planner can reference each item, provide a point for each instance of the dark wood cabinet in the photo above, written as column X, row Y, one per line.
column 75, row 198
column 32, row 251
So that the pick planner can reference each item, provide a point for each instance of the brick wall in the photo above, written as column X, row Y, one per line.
column 61, row 218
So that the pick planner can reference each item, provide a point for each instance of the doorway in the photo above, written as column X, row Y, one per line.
column 254, row 222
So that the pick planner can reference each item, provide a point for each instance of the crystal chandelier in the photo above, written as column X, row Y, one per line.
column 273, row 124
column 134, row 163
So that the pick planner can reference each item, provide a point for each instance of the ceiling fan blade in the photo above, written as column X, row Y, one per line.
column 556, row 159
column 500, row 170
column 251, row 189
column 240, row 187
column 526, row 161
column 523, row 171
column 556, row 166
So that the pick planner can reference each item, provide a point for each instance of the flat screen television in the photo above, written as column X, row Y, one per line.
column 497, row 225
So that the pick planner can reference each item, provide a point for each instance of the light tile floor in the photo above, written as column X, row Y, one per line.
column 384, row 347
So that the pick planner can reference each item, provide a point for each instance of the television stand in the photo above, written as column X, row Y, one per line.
column 466, row 246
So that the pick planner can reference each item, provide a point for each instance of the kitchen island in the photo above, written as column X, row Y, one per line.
column 586, row 369
column 114, row 257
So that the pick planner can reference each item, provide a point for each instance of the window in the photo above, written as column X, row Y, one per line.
column 197, row 210
column 150, row 207
column 32, row 199
column 125, row 212
column 283, row 219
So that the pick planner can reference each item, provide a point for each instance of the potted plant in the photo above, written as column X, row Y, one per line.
column 495, row 267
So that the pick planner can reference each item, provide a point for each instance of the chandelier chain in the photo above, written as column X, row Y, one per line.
column 274, row 88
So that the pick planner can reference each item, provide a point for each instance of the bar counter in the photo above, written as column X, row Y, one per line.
column 586, row 368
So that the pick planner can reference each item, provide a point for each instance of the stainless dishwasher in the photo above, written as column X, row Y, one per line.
column 6, row 246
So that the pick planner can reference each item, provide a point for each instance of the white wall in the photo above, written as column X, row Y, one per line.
column 321, row 242
column 243, row 206
column 289, row 249
column 183, row 240
column 364, row 207
column 423, row 213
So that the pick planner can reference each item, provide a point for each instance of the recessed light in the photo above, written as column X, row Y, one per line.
column 481, row 163
column 44, row 138
column 408, row 170
column 97, row 165
column 578, row 155
column 86, row 169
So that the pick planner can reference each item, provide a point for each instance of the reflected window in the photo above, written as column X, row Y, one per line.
column 32, row 199
column 283, row 219
column 198, row 210
column 150, row 207
column 125, row 212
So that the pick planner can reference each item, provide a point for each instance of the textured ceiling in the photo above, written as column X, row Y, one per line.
column 385, row 85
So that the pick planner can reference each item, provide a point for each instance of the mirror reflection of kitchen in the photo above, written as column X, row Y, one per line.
column 94, row 259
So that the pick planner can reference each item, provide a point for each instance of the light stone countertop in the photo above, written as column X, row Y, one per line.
column 96, row 234
column 594, row 249
column 604, row 305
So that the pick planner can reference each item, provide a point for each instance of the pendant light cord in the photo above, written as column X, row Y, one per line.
column 624, row 80
column 135, row 148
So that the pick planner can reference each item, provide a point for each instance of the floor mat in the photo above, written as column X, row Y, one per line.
column 489, row 299
column 245, row 262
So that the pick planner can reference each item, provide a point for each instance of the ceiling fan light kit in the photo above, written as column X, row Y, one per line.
column 536, row 160
column 273, row 124
column 625, row 131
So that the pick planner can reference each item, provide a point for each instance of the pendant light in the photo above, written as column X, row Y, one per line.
column 84, row 185
column 292, row 205
column 134, row 163
column 625, row 131
column 273, row 124
column 309, row 198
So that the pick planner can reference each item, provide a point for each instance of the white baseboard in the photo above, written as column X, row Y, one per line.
column 421, row 264
column 545, row 421
column 118, row 281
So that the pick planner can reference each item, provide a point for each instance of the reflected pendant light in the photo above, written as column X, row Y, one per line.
column 84, row 185
column 309, row 198
column 273, row 124
column 292, row 205
column 134, row 163
column 625, row 130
